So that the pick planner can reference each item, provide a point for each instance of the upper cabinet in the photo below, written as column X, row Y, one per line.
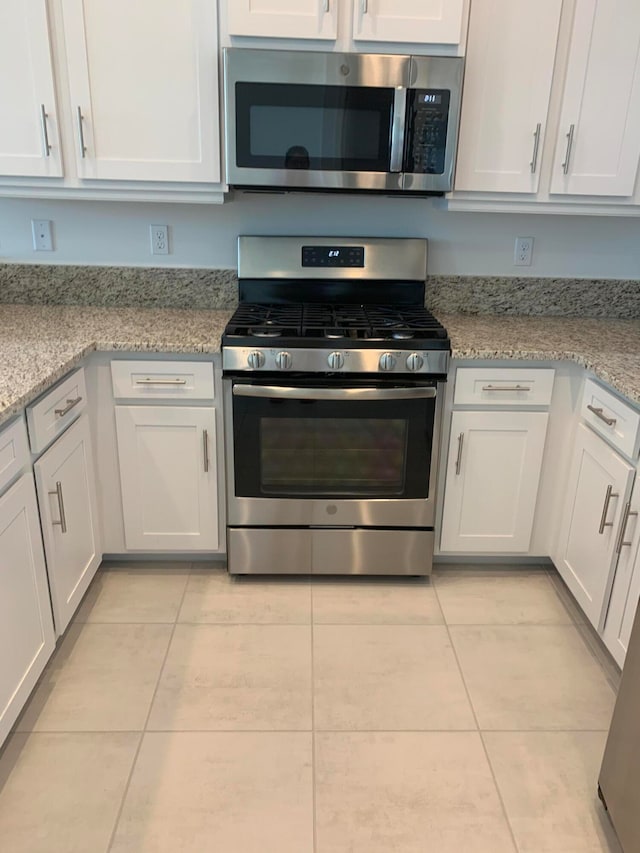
column 29, row 142
column 144, row 89
column 598, row 145
column 296, row 19
column 509, row 69
column 426, row 21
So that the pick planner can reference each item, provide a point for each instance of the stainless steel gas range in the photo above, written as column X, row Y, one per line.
column 333, row 379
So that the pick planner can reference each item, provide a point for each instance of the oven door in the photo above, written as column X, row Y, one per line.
column 360, row 455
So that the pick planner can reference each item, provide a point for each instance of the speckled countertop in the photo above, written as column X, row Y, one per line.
column 40, row 343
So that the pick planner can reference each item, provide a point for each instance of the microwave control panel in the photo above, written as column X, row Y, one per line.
column 427, row 120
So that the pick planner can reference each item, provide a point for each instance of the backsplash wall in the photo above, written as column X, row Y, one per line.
column 461, row 244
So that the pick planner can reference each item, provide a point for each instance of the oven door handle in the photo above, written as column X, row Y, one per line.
column 276, row 392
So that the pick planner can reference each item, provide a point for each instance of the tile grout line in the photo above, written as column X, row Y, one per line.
column 144, row 728
column 313, row 729
column 484, row 747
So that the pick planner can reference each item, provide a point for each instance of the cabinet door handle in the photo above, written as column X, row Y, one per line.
column 205, row 449
column 149, row 381
column 70, row 404
column 567, row 156
column 605, row 509
column 365, row 7
column 63, row 518
column 325, row 5
column 621, row 542
column 599, row 414
column 506, row 388
column 45, row 132
column 536, row 146
column 83, row 147
column 459, row 456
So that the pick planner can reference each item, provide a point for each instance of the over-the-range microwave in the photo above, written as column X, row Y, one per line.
column 305, row 120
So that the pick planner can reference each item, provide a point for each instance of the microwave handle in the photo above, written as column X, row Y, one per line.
column 400, row 95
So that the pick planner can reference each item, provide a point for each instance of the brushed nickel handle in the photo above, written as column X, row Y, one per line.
column 536, row 146
column 70, row 404
column 149, row 381
column 567, row 156
column 276, row 392
column 45, row 133
column 605, row 509
column 325, row 6
column 506, row 388
column 459, row 457
column 83, row 147
column 63, row 518
column 365, row 7
column 621, row 542
column 599, row 414
column 205, row 449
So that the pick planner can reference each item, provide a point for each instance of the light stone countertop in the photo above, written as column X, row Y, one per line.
column 39, row 343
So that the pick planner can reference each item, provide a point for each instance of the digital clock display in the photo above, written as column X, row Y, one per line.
column 431, row 98
column 333, row 256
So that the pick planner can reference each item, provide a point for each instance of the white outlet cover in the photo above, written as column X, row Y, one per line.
column 42, row 235
column 159, row 235
column 523, row 251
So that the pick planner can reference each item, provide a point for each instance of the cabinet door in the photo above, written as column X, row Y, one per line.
column 167, row 459
column 598, row 146
column 425, row 21
column 144, row 91
column 493, row 473
column 29, row 143
column 301, row 19
column 511, row 51
column 625, row 593
column 598, row 486
column 68, row 510
column 26, row 625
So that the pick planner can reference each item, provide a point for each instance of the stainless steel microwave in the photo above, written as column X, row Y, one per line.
column 307, row 120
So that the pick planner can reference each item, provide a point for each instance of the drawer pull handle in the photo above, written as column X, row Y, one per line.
column 70, row 405
column 506, row 388
column 149, row 381
column 63, row 518
column 205, row 449
column 599, row 413
column 620, row 544
column 605, row 509
column 459, row 457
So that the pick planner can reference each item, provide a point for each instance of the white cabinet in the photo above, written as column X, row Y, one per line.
column 29, row 141
column 26, row 625
column 492, row 477
column 144, row 91
column 598, row 486
column 303, row 19
column 598, row 146
column 511, row 51
column 423, row 21
column 167, row 458
column 68, row 510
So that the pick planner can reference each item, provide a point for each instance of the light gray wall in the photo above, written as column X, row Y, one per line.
column 105, row 233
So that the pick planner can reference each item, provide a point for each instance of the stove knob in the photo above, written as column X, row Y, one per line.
column 414, row 361
column 284, row 361
column 387, row 361
column 255, row 359
column 335, row 360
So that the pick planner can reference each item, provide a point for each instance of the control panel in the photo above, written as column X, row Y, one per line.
column 333, row 256
column 427, row 121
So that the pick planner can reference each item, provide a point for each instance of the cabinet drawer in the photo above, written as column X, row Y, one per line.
column 53, row 413
column 162, row 380
column 14, row 451
column 612, row 418
column 499, row 386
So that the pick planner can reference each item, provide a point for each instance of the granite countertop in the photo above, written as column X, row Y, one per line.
column 39, row 343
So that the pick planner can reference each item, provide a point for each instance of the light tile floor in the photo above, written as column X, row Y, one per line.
column 185, row 712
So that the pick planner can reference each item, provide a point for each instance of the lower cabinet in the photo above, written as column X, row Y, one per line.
column 598, row 487
column 167, row 458
column 69, row 516
column 27, row 637
column 492, row 478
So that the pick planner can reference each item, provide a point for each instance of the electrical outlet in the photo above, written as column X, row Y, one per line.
column 523, row 251
column 42, row 235
column 159, row 239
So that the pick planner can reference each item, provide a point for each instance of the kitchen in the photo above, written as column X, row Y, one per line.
column 174, row 311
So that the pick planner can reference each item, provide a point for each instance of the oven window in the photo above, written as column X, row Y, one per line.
column 296, row 126
column 335, row 456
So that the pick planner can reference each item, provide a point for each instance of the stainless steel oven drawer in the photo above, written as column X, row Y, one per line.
column 330, row 551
